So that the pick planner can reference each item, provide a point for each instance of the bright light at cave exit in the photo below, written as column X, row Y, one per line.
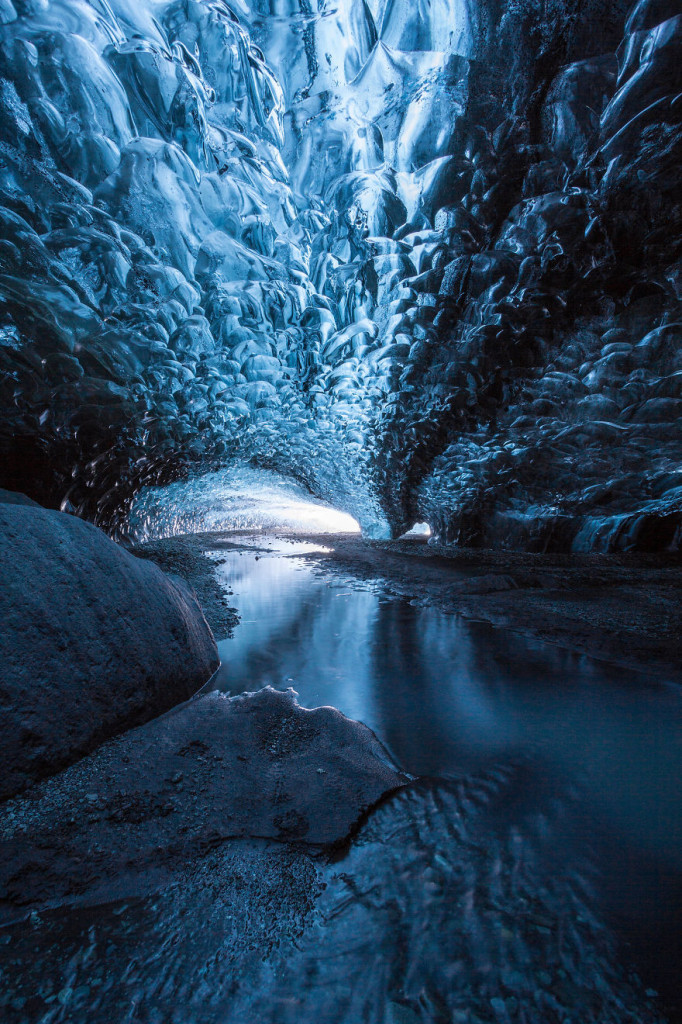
column 419, row 530
column 312, row 518
column 239, row 498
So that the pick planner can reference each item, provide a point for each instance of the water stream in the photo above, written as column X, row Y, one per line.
column 449, row 697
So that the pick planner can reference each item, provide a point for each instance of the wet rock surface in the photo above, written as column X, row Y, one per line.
column 127, row 818
column 93, row 641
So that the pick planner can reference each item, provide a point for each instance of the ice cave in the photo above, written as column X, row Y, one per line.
column 341, row 511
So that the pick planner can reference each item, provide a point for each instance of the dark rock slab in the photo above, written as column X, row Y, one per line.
column 16, row 498
column 124, row 820
column 92, row 641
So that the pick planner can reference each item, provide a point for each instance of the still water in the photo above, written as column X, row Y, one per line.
column 448, row 697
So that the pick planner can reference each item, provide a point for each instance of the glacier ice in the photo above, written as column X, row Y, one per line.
column 422, row 258
column 238, row 498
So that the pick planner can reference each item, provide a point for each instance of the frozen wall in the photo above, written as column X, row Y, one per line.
column 422, row 257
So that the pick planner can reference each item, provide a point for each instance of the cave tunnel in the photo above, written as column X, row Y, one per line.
column 382, row 249
column 340, row 511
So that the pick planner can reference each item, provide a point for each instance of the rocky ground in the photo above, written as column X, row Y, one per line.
column 186, row 557
column 443, row 905
column 127, row 818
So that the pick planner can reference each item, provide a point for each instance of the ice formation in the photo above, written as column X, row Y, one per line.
column 238, row 498
column 423, row 258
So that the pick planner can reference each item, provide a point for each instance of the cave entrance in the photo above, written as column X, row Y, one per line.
column 240, row 498
column 417, row 530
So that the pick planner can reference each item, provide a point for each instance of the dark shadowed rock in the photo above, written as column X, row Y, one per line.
column 127, row 818
column 16, row 498
column 92, row 641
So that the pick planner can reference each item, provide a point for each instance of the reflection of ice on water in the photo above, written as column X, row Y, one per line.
column 450, row 697
column 295, row 628
column 447, row 696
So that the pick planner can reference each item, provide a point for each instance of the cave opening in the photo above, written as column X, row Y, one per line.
column 418, row 530
column 241, row 499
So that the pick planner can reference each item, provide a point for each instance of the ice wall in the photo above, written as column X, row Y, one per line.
column 423, row 258
column 198, row 221
column 544, row 399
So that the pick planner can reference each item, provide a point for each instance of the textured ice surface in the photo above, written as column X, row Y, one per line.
column 190, row 192
column 422, row 257
column 239, row 498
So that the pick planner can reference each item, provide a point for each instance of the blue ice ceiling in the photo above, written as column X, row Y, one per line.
column 421, row 257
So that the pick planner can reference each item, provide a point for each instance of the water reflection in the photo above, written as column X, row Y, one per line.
column 448, row 696
column 491, row 895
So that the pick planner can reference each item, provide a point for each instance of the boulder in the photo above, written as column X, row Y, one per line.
column 92, row 641
column 130, row 817
column 16, row 498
